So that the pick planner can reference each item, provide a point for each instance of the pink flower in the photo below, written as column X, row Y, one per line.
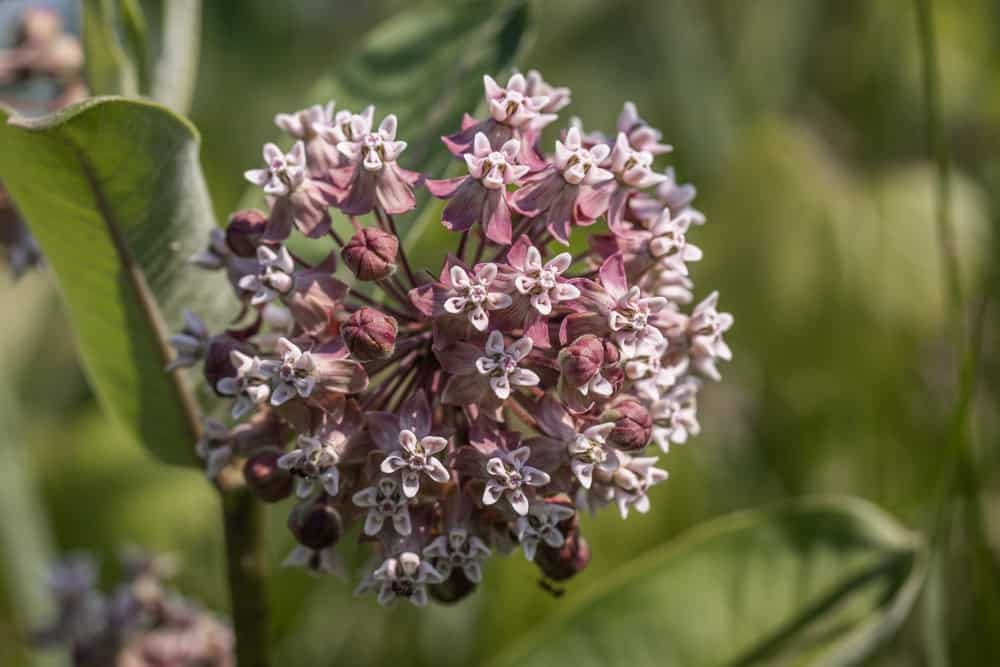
column 482, row 195
column 552, row 196
column 376, row 178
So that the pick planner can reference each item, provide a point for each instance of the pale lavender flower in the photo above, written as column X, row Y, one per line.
column 384, row 500
column 312, row 125
column 474, row 295
column 249, row 385
column 706, row 327
column 632, row 480
column 458, row 550
column 501, row 365
column 541, row 524
column 509, row 475
column 675, row 416
column 542, row 283
column 313, row 461
column 295, row 374
column 376, row 179
column 416, row 456
column 405, row 576
column 190, row 344
column 272, row 278
column 589, row 450
column 283, row 173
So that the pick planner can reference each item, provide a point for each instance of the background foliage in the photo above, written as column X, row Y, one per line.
column 802, row 123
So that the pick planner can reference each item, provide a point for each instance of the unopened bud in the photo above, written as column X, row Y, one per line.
column 315, row 524
column 454, row 588
column 565, row 562
column 267, row 481
column 244, row 232
column 582, row 359
column 371, row 254
column 370, row 334
column 633, row 425
column 218, row 360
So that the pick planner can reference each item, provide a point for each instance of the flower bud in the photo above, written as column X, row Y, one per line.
column 371, row 254
column 315, row 524
column 370, row 334
column 244, row 232
column 454, row 588
column 267, row 481
column 218, row 362
column 582, row 359
column 562, row 563
column 633, row 425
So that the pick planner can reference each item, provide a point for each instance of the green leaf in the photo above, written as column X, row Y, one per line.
column 812, row 582
column 113, row 192
column 177, row 67
column 107, row 68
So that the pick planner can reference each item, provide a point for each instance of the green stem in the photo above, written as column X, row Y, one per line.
column 246, row 562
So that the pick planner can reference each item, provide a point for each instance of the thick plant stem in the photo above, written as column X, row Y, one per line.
column 246, row 562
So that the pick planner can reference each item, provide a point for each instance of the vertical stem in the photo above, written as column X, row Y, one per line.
column 243, row 522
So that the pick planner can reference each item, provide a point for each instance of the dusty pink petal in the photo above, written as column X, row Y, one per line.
column 279, row 222
column 422, row 299
column 613, row 276
column 593, row 202
column 444, row 188
column 616, row 209
column 561, row 214
column 360, row 197
column 465, row 206
column 534, row 198
column 578, row 324
column 415, row 414
column 341, row 375
column 393, row 189
column 313, row 300
column 553, row 419
column 384, row 430
column 496, row 217
column 518, row 252
column 311, row 215
column 460, row 358
column 537, row 330
column 462, row 390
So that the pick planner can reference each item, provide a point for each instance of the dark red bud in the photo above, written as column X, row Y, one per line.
column 582, row 359
column 454, row 588
column 371, row 254
column 315, row 524
column 245, row 230
column 565, row 562
column 217, row 360
column 267, row 481
column 633, row 425
column 370, row 334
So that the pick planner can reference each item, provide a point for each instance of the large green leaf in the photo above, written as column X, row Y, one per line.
column 812, row 582
column 113, row 192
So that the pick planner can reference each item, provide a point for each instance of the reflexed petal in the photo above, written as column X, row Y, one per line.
column 518, row 501
column 373, row 522
column 493, row 492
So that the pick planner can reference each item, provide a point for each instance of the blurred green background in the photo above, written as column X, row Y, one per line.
column 802, row 122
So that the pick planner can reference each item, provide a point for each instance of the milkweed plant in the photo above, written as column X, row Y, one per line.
column 475, row 407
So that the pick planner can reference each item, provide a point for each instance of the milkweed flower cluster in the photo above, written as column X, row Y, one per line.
column 476, row 409
column 140, row 623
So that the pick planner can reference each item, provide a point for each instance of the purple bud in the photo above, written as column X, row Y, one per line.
column 315, row 524
column 633, row 425
column 582, row 359
column 369, row 334
column 565, row 562
column 454, row 588
column 218, row 362
column 267, row 481
column 244, row 232
column 371, row 254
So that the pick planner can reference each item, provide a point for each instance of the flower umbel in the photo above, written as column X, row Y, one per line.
column 454, row 411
